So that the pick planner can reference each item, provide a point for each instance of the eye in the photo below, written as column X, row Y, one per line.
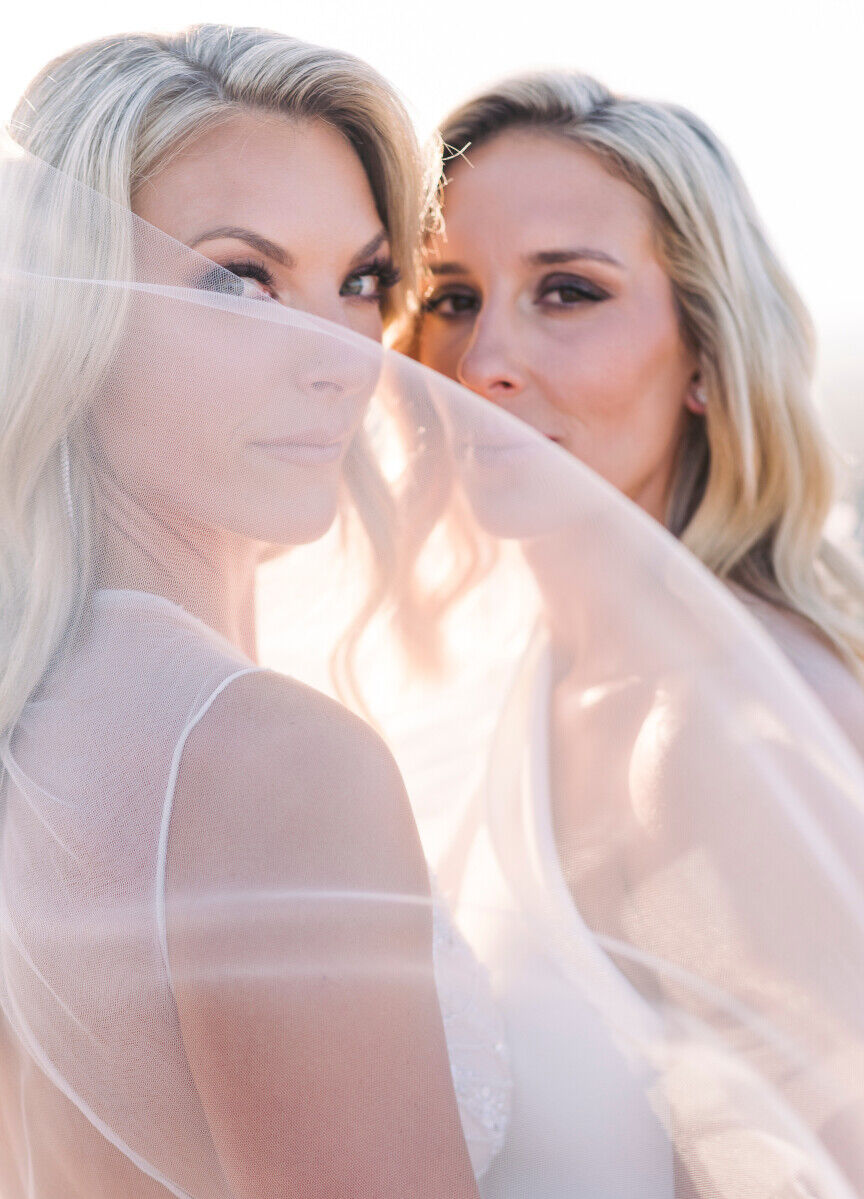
column 248, row 280
column 372, row 281
column 568, row 291
column 451, row 303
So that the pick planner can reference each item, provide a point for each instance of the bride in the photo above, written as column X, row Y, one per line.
column 192, row 1005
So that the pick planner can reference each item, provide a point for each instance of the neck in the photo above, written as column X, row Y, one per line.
column 566, row 605
column 589, row 606
column 208, row 572
column 577, row 569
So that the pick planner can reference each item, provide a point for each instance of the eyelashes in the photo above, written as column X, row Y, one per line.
column 227, row 279
column 572, row 289
column 458, row 301
column 461, row 300
column 382, row 270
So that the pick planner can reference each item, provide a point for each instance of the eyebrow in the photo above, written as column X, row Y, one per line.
column 551, row 257
column 374, row 243
column 269, row 248
column 447, row 268
column 541, row 258
column 262, row 244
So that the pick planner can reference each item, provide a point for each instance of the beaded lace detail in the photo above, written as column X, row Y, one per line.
column 479, row 1057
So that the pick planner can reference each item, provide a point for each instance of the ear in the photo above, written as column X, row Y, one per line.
column 696, row 399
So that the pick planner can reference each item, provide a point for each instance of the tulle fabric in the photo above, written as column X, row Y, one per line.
column 656, row 988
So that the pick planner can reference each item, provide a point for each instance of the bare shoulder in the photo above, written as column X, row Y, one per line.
column 265, row 722
column 831, row 678
column 282, row 795
column 276, row 762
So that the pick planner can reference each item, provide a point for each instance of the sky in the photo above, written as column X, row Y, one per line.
column 781, row 83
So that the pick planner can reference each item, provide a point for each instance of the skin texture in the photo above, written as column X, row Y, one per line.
column 192, row 491
column 588, row 351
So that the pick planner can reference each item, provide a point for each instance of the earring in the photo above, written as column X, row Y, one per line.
column 67, row 483
column 700, row 399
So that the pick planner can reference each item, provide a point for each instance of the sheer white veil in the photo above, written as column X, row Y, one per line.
column 711, row 906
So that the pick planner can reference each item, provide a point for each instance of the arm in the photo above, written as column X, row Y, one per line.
column 311, row 1026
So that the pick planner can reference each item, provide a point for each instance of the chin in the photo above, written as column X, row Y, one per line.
column 299, row 522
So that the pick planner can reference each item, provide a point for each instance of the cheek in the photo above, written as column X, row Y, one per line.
column 177, row 390
column 369, row 322
column 620, row 384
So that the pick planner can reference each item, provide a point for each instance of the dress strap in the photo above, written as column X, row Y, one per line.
column 168, row 805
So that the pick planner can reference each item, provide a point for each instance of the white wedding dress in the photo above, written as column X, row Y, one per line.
column 581, row 1122
column 96, row 1097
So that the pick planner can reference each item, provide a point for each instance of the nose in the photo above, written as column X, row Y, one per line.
column 326, row 360
column 489, row 365
column 326, row 388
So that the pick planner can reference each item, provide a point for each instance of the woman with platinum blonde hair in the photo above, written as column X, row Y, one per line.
column 600, row 275
column 179, row 1016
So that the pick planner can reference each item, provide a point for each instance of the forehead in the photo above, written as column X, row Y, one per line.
column 527, row 190
column 264, row 172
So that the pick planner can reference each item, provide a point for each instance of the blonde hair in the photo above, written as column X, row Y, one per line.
column 107, row 115
column 754, row 481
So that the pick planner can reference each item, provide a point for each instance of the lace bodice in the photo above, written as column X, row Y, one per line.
column 479, row 1058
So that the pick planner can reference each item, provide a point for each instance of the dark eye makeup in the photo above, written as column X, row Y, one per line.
column 557, row 292
column 381, row 270
column 227, row 279
column 453, row 302
column 570, row 289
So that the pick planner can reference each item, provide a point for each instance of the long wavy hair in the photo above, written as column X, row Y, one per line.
column 107, row 115
column 754, row 480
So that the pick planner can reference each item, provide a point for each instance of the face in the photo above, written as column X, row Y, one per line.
column 546, row 296
column 243, row 424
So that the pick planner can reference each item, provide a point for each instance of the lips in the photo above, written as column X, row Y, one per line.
column 305, row 449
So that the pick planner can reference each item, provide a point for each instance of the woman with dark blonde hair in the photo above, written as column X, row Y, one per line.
column 604, row 276
column 601, row 276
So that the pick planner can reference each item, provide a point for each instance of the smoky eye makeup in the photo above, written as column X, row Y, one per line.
column 566, row 290
column 451, row 301
column 369, row 283
column 228, row 279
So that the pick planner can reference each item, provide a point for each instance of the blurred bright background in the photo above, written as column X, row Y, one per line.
column 781, row 82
